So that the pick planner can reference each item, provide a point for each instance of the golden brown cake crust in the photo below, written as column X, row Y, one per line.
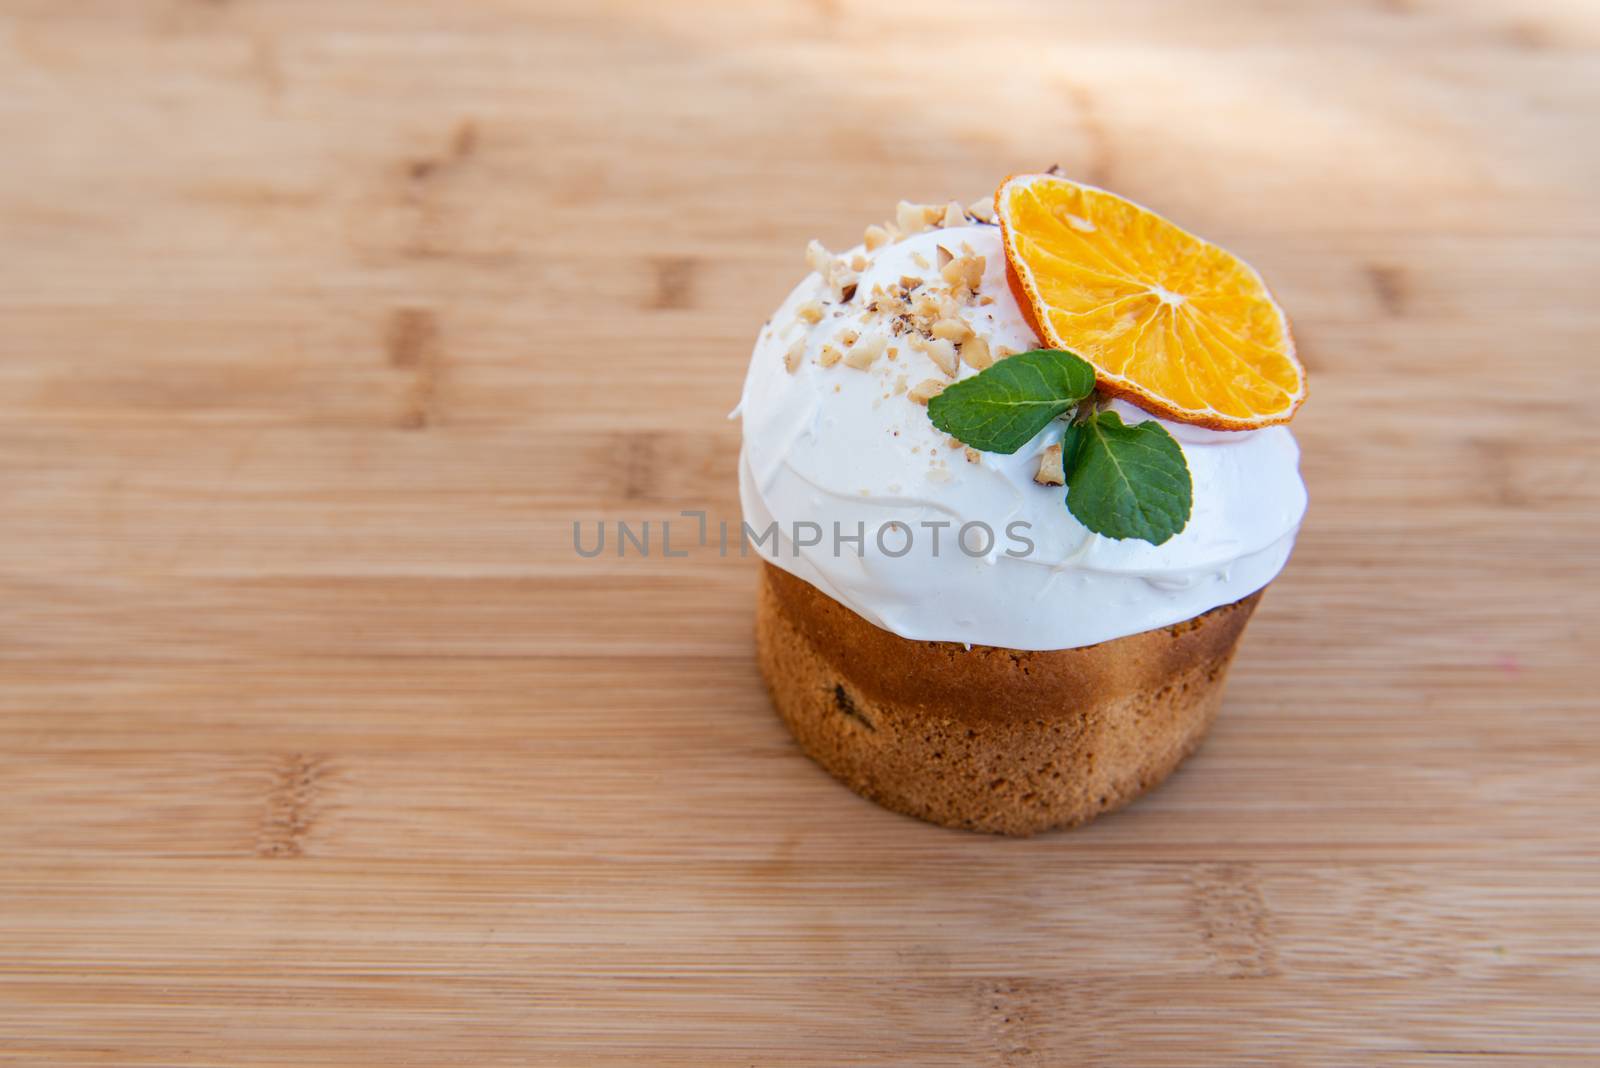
column 988, row 739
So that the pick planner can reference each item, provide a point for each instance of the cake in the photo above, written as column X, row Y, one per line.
column 992, row 632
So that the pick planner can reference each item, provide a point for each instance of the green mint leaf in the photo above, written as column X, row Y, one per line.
column 1001, row 408
column 1127, row 481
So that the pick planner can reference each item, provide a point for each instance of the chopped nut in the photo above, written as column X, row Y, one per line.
column 944, row 256
column 972, row 455
column 953, row 215
column 1001, row 352
column 943, row 353
column 986, row 300
column 982, row 209
column 875, row 238
column 926, row 390
column 792, row 358
column 964, row 271
column 955, row 330
column 954, row 442
column 1050, row 472
column 975, row 353
column 911, row 218
column 829, row 356
column 920, row 260
column 818, row 258
column 858, row 262
column 849, row 337
column 864, row 352
column 899, row 384
column 894, row 353
column 908, row 282
column 810, row 312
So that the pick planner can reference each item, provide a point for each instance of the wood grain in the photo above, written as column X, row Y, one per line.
column 323, row 324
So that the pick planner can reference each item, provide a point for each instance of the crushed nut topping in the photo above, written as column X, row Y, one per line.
column 862, row 354
column 955, row 330
column 972, row 455
column 975, row 353
column 875, row 238
column 943, row 353
column 818, row 258
column 1050, row 471
column 796, row 352
column 829, row 356
column 953, row 215
column 982, row 209
column 926, row 390
column 964, row 271
column 910, row 218
column 810, row 312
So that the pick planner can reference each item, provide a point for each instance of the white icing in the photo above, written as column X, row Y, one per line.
column 841, row 446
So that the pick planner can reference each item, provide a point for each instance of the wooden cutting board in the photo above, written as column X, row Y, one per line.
column 321, row 324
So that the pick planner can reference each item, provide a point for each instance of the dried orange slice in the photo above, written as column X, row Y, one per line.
column 1171, row 322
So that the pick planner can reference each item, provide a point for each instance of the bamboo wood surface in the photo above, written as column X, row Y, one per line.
column 320, row 324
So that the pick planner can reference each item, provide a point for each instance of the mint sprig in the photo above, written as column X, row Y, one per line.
column 1122, row 481
column 1001, row 408
column 1127, row 481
